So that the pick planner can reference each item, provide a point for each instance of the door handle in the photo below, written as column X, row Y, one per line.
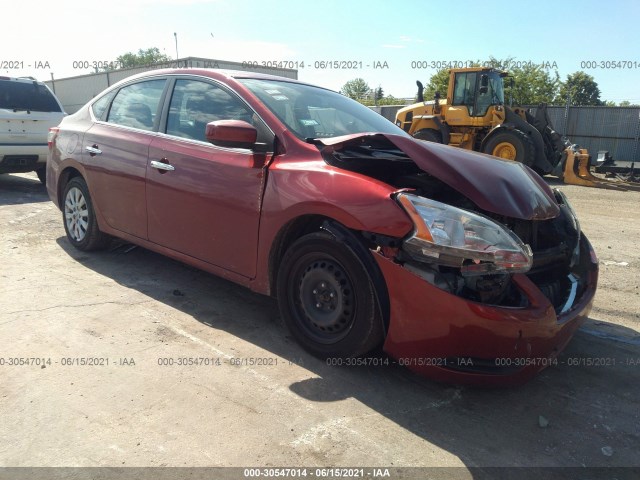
column 162, row 166
column 93, row 150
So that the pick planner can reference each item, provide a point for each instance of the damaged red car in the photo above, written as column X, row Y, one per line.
column 463, row 267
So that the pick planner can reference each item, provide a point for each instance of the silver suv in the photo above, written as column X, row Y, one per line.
column 27, row 110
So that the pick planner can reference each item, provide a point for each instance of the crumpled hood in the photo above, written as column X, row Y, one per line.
column 499, row 186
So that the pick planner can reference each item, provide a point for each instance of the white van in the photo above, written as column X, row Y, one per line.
column 27, row 110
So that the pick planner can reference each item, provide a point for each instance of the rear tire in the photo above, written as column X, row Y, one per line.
column 327, row 299
column 79, row 217
column 511, row 145
column 42, row 175
column 429, row 135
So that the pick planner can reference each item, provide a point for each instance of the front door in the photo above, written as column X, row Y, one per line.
column 203, row 200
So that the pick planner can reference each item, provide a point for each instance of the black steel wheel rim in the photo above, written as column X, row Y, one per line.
column 324, row 298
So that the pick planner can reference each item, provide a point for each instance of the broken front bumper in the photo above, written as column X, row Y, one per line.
column 452, row 339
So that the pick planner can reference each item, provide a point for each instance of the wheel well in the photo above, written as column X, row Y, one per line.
column 315, row 223
column 288, row 234
column 66, row 175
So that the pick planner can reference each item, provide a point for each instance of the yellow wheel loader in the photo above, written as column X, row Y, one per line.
column 474, row 116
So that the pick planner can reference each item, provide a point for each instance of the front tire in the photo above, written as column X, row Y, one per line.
column 79, row 217
column 429, row 135
column 511, row 145
column 327, row 299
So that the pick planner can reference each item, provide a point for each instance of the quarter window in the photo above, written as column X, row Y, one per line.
column 137, row 105
column 100, row 106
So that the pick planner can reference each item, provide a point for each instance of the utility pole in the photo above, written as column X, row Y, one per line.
column 175, row 35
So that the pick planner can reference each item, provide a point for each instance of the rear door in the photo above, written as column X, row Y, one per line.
column 115, row 153
column 205, row 201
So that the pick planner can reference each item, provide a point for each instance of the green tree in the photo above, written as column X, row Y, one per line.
column 581, row 88
column 439, row 82
column 357, row 89
column 390, row 100
column 379, row 93
column 500, row 64
column 143, row 57
column 627, row 103
column 532, row 85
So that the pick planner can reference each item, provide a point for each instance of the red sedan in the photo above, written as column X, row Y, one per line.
column 463, row 267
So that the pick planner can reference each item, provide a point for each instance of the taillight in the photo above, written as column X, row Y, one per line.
column 53, row 131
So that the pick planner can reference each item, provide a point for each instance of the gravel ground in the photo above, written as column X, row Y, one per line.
column 131, row 310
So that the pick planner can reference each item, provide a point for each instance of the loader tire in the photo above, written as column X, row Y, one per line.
column 429, row 135
column 512, row 145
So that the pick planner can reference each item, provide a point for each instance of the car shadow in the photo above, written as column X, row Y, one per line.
column 21, row 188
column 571, row 415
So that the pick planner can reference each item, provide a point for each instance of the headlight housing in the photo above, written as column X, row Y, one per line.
column 450, row 235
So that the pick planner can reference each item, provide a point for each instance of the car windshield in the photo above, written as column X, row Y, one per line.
column 313, row 112
column 31, row 96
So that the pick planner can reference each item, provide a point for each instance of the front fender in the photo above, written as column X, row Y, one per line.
column 357, row 201
column 353, row 200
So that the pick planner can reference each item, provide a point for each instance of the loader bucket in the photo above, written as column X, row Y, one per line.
column 577, row 172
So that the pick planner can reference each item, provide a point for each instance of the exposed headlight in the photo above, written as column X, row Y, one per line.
column 478, row 244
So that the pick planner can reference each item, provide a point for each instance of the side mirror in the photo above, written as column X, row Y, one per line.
column 231, row 133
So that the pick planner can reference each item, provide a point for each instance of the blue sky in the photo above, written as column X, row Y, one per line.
column 397, row 33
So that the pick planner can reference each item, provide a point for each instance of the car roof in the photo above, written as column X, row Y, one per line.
column 216, row 73
column 21, row 79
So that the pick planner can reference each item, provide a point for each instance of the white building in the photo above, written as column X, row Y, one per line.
column 74, row 92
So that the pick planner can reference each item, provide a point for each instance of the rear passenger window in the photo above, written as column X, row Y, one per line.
column 137, row 105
